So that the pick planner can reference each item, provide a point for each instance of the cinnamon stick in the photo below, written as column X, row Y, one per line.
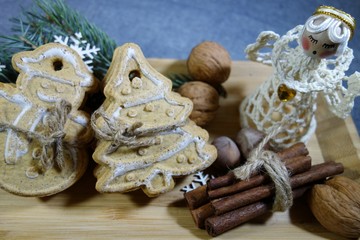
column 298, row 149
column 199, row 196
column 217, row 225
column 226, row 204
column 294, row 165
column 316, row 173
column 200, row 214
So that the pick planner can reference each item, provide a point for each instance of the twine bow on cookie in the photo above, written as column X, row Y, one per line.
column 51, row 138
column 119, row 135
column 275, row 169
column 55, row 122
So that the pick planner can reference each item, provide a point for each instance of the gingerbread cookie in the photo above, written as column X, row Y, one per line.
column 42, row 130
column 144, row 132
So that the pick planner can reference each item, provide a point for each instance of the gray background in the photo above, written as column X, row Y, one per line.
column 171, row 28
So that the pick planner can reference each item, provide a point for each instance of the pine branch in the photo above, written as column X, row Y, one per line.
column 39, row 26
column 179, row 79
column 46, row 19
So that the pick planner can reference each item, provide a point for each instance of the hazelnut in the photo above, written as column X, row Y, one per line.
column 209, row 62
column 205, row 99
column 247, row 139
column 228, row 154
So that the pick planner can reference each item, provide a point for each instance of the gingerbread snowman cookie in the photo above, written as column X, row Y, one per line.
column 145, row 136
column 42, row 130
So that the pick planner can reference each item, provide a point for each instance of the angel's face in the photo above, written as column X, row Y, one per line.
column 318, row 45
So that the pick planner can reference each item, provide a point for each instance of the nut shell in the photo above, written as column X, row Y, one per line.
column 228, row 154
column 336, row 205
column 205, row 99
column 209, row 62
column 247, row 139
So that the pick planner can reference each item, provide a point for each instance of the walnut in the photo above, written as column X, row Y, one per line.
column 209, row 62
column 336, row 205
column 205, row 99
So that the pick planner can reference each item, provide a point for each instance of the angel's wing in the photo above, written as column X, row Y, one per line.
column 341, row 99
column 334, row 69
column 266, row 39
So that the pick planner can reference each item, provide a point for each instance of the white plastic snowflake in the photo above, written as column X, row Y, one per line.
column 82, row 47
column 200, row 179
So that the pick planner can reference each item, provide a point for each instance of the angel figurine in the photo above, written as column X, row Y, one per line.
column 317, row 64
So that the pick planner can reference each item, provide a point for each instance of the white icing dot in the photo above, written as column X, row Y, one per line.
column 142, row 151
column 181, row 158
column 126, row 91
column 170, row 112
column 45, row 85
column 149, row 107
column 136, row 83
column 60, row 89
column 31, row 173
column 132, row 113
column 130, row 177
column 191, row 159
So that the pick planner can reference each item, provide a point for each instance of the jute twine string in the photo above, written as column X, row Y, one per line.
column 275, row 169
column 119, row 134
column 51, row 140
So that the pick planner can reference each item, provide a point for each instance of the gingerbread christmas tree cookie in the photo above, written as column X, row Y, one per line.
column 42, row 130
column 145, row 135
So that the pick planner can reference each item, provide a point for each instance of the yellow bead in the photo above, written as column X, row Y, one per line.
column 285, row 94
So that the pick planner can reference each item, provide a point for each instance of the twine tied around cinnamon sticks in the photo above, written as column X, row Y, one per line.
column 274, row 167
column 117, row 134
column 51, row 138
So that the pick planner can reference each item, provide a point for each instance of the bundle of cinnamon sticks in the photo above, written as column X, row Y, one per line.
column 226, row 202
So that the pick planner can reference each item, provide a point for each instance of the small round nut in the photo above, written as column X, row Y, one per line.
column 209, row 62
column 205, row 99
column 229, row 156
column 336, row 205
column 247, row 139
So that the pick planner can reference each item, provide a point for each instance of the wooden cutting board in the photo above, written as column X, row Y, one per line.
column 82, row 213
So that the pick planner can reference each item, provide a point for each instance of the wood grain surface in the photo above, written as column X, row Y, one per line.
column 82, row 213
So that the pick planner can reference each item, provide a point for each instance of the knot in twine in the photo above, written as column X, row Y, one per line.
column 275, row 169
column 119, row 135
column 51, row 139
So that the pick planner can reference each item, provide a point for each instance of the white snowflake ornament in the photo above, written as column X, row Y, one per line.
column 82, row 47
column 200, row 179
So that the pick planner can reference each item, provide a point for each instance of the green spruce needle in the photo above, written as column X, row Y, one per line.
column 40, row 24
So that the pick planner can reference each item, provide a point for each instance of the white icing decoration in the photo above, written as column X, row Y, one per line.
column 161, row 159
column 31, row 173
column 82, row 120
column 63, row 54
column 131, row 54
column 187, row 138
column 47, row 98
column 29, row 114
column 117, row 112
column 15, row 98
